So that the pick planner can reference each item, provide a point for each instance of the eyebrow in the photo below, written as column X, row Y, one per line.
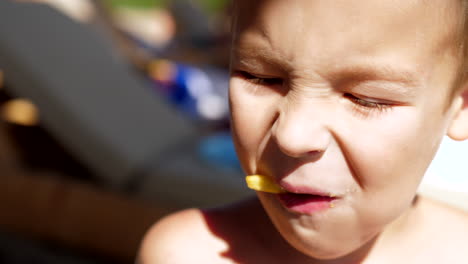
column 375, row 72
column 257, row 56
column 401, row 80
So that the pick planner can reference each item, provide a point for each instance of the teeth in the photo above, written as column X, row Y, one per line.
column 263, row 183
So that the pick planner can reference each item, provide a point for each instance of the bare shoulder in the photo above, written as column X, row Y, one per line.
column 216, row 235
column 182, row 237
column 446, row 229
column 440, row 213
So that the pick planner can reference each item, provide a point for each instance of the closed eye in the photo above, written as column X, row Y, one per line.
column 260, row 80
column 371, row 104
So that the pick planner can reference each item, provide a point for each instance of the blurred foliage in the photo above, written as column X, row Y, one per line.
column 214, row 5
column 209, row 5
column 136, row 3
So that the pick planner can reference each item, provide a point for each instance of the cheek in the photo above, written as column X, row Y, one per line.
column 386, row 156
column 393, row 148
column 251, row 117
column 391, row 161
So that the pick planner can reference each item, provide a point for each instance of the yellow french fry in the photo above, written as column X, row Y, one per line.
column 263, row 183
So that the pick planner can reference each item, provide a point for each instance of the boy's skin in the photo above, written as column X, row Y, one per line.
column 351, row 98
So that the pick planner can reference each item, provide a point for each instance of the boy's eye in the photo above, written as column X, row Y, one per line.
column 258, row 80
column 367, row 102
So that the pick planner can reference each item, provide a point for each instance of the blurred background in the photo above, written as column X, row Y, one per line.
column 114, row 113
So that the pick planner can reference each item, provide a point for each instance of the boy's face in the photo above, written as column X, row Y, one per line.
column 345, row 97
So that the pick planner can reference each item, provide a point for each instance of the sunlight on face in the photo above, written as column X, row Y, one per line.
column 345, row 98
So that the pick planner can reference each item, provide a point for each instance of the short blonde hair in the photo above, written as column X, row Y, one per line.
column 462, row 43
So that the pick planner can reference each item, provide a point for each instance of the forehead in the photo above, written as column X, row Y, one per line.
column 318, row 32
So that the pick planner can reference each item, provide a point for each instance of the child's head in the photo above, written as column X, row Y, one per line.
column 347, row 99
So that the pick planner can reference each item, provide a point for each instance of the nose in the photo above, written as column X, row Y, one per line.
column 301, row 133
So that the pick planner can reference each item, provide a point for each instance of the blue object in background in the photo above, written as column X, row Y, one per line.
column 218, row 150
column 198, row 92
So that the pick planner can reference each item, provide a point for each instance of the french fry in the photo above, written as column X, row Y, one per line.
column 263, row 183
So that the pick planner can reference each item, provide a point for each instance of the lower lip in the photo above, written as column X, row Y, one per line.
column 305, row 203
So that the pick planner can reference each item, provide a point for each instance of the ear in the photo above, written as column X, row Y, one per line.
column 458, row 129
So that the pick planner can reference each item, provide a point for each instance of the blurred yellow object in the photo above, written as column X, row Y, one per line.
column 162, row 70
column 263, row 183
column 20, row 112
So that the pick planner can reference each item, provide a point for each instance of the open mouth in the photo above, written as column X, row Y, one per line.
column 306, row 203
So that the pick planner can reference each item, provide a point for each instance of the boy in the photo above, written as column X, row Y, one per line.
column 343, row 103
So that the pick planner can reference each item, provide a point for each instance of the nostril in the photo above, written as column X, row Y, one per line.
column 314, row 155
column 314, row 152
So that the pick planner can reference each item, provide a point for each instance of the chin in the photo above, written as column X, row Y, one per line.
column 326, row 236
column 325, row 251
column 331, row 250
column 329, row 242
